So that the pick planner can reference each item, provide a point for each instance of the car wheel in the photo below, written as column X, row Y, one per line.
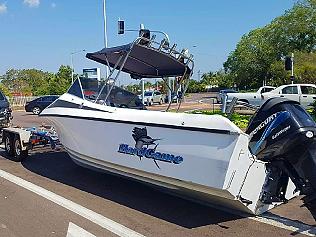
column 36, row 110
column 19, row 154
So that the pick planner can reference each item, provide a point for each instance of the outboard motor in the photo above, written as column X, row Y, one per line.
column 283, row 134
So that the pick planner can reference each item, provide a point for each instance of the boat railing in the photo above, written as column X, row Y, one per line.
column 164, row 46
column 183, row 56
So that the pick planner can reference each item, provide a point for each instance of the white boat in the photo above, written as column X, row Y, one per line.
column 206, row 158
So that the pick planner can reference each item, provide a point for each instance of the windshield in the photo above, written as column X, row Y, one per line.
column 148, row 93
column 267, row 89
column 90, row 89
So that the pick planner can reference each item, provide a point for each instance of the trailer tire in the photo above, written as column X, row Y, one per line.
column 8, row 144
column 19, row 154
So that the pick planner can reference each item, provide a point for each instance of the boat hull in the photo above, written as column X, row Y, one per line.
column 209, row 162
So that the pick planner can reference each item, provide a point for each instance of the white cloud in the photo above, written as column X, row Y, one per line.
column 32, row 3
column 53, row 5
column 3, row 8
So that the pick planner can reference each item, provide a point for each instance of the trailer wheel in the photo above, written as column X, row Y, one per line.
column 8, row 144
column 19, row 154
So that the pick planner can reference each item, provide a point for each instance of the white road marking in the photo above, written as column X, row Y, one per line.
column 285, row 223
column 123, row 231
column 77, row 231
column 92, row 216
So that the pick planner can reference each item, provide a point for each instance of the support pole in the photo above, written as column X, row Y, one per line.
column 224, row 103
column 169, row 90
column 292, row 71
column 143, row 91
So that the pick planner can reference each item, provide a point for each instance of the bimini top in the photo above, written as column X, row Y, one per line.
column 143, row 61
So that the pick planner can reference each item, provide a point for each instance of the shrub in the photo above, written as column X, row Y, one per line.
column 239, row 120
column 313, row 110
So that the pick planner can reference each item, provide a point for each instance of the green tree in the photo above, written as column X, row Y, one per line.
column 59, row 83
column 305, row 67
column 5, row 90
column 259, row 54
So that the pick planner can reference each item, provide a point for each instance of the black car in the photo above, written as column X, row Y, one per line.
column 5, row 111
column 36, row 106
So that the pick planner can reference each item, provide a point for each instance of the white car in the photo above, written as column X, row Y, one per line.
column 151, row 97
column 253, row 98
column 303, row 93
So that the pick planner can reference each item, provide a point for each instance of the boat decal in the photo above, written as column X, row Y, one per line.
column 145, row 146
column 262, row 125
column 140, row 123
column 66, row 104
column 280, row 118
column 281, row 132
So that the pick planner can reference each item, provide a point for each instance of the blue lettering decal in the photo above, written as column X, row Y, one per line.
column 167, row 157
column 177, row 160
column 150, row 154
column 123, row 148
column 141, row 152
column 157, row 156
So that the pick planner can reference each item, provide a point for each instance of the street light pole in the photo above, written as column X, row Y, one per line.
column 72, row 68
column 72, row 63
column 292, row 68
column 105, row 35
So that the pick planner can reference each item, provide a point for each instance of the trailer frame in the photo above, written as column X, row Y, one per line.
column 19, row 141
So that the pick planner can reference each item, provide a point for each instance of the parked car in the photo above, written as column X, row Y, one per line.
column 253, row 98
column 5, row 111
column 303, row 93
column 222, row 93
column 151, row 97
column 36, row 106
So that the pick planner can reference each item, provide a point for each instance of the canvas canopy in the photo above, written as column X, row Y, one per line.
column 142, row 62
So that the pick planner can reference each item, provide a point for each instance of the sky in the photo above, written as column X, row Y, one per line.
column 42, row 34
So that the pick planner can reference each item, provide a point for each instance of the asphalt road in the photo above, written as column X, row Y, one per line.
column 103, row 204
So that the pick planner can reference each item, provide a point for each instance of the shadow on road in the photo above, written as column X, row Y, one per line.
column 310, row 204
column 59, row 167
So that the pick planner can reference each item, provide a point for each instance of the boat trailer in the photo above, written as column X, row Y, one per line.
column 19, row 141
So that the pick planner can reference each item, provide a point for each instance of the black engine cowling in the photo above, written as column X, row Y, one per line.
column 283, row 134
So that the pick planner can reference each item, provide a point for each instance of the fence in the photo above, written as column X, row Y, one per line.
column 20, row 101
